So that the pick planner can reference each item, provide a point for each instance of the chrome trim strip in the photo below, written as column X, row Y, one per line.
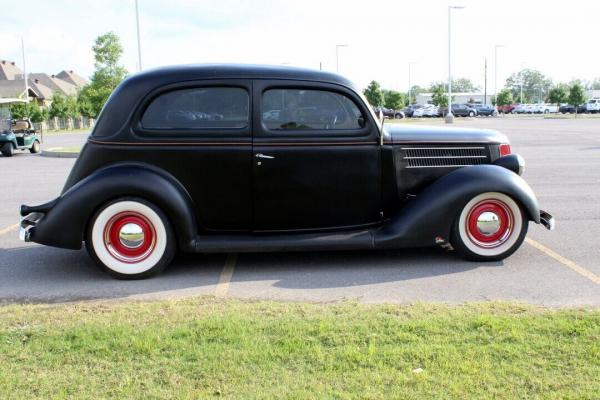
column 438, row 157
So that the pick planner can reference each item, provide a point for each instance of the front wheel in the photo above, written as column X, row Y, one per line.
column 7, row 149
column 131, row 238
column 35, row 147
column 490, row 227
column 471, row 114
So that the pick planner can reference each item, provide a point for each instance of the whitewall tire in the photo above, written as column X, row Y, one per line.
column 130, row 239
column 490, row 227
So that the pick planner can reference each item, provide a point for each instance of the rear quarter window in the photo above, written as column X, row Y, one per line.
column 197, row 109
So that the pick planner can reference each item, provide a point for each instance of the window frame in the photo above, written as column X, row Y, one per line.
column 368, row 132
column 194, row 133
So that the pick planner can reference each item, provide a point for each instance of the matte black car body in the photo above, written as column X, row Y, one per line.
column 353, row 190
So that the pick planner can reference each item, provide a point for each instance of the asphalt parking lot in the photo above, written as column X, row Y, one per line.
column 557, row 269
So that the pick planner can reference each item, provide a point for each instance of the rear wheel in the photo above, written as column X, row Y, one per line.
column 35, row 147
column 490, row 227
column 131, row 238
column 7, row 149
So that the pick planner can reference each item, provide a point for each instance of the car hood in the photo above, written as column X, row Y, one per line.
column 401, row 133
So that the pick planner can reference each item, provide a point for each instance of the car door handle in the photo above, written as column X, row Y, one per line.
column 264, row 156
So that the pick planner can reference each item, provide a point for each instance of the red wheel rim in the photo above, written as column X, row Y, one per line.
column 129, row 251
column 502, row 223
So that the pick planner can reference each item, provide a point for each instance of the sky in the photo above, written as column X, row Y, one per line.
column 559, row 38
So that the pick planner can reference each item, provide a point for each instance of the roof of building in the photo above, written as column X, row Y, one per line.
column 8, row 70
column 54, row 83
column 16, row 87
column 72, row 78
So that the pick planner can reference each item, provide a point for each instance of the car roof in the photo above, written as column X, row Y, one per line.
column 243, row 71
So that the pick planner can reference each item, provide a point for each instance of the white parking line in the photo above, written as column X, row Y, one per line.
column 223, row 285
column 4, row 231
column 565, row 261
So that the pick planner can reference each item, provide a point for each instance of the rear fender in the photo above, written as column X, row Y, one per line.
column 65, row 219
column 433, row 211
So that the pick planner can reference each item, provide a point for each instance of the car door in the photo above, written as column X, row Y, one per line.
column 316, row 158
column 201, row 133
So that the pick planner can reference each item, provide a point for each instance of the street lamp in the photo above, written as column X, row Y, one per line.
column 410, row 64
column 337, row 56
column 449, row 116
column 496, row 47
column 137, row 24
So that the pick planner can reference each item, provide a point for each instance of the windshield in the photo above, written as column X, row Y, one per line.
column 5, row 118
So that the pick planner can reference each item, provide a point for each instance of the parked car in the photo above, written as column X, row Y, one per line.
column 566, row 108
column 459, row 110
column 519, row 109
column 388, row 113
column 506, row 109
column 431, row 111
column 593, row 106
column 582, row 108
column 542, row 108
column 428, row 110
column 484, row 109
column 409, row 110
column 322, row 175
column 529, row 108
column 16, row 134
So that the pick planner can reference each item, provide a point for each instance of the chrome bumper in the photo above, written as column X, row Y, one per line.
column 547, row 220
column 27, row 223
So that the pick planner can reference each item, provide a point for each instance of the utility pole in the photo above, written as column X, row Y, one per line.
column 410, row 64
column 449, row 116
column 337, row 56
column 24, row 70
column 137, row 24
column 485, row 82
column 496, row 71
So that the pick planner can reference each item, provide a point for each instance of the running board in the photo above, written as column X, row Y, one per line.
column 353, row 240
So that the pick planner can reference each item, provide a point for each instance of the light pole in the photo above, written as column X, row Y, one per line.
column 137, row 24
column 449, row 116
column 496, row 47
column 410, row 64
column 24, row 71
column 337, row 56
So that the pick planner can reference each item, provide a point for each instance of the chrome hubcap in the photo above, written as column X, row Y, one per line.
column 131, row 235
column 488, row 223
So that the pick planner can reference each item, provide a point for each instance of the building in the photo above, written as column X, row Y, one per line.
column 468, row 97
column 41, row 86
column 593, row 94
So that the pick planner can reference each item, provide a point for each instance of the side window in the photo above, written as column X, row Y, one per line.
column 198, row 108
column 299, row 109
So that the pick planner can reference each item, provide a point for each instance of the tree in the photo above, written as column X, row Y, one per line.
column 533, row 81
column 63, row 107
column 577, row 95
column 504, row 98
column 30, row 110
column 463, row 85
column 558, row 94
column 107, row 75
column 439, row 97
column 393, row 99
column 415, row 90
column 374, row 94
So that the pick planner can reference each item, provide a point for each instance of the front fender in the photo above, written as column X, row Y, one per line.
column 65, row 219
column 433, row 211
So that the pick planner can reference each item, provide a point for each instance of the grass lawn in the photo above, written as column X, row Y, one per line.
column 209, row 348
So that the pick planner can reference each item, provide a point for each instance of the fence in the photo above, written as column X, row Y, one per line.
column 64, row 124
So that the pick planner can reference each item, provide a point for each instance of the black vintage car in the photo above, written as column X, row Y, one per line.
column 219, row 158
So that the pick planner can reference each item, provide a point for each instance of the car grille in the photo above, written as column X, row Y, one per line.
column 436, row 157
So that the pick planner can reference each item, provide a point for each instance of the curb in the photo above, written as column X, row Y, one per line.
column 58, row 154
